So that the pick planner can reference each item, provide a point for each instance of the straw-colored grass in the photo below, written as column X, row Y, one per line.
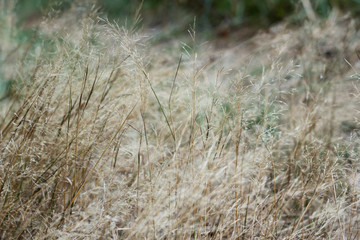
column 106, row 136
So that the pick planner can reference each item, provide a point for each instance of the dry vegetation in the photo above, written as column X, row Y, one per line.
column 106, row 135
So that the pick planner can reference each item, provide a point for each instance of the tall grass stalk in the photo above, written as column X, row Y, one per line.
column 104, row 134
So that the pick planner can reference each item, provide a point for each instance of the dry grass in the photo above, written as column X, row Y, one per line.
column 108, row 137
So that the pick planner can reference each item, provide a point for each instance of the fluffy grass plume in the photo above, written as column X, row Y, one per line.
column 107, row 135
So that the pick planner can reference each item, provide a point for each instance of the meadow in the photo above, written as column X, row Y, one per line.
column 112, row 131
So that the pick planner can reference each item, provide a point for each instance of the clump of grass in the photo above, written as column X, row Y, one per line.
column 90, row 149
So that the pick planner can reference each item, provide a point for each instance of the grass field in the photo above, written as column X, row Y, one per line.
column 109, row 132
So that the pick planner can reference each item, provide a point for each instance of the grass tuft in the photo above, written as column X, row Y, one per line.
column 258, row 140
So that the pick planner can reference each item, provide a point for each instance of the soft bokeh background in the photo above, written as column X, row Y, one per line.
column 210, row 13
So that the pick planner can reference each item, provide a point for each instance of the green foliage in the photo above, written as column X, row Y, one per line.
column 114, row 8
column 27, row 9
column 211, row 13
column 262, row 12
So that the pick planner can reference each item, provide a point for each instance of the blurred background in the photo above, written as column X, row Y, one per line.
column 211, row 14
